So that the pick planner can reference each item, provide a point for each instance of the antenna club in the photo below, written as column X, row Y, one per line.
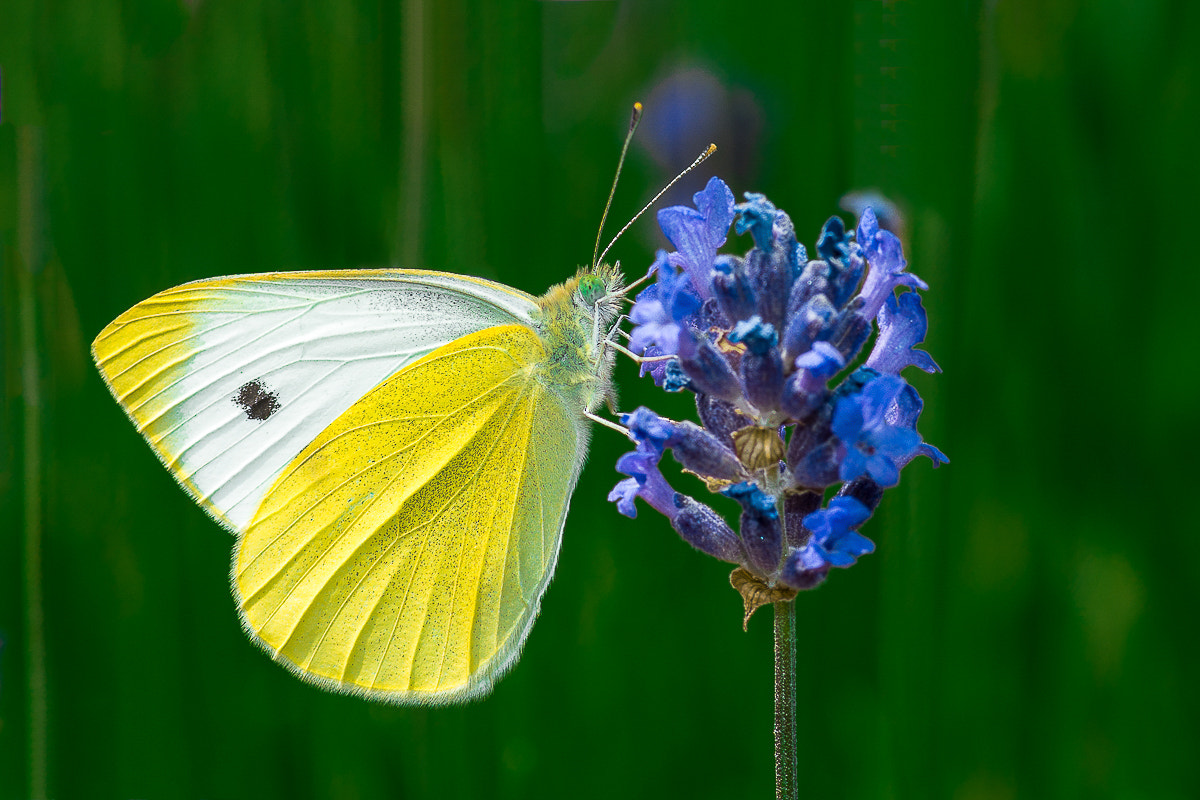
column 635, row 118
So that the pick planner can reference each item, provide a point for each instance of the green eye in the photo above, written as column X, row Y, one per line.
column 592, row 289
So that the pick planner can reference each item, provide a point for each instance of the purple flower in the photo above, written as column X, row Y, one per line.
column 806, row 390
column 762, row 367
column 624, row 492
column 902, row 325
column 760, row 526
column 758, row 215
column 873, row 445
column 660, row 314
column 885, row 257
column 765, row 341
column 833, row 537
column 645, row 480
column 661, row 309
column 823, row 360
column 695, row 448
column 903, row 413
column 818, row 365
column 698, row 233
column 646, row 426
column 834, row 542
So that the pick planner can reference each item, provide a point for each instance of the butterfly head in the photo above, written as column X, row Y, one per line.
column 592, row 289
column 598, row 293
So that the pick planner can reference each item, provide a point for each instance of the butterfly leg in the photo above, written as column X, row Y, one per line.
column 607, row 423
column 611, row 342
column 639, row 359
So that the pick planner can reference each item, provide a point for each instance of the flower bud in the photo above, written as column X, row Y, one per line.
column 732, row 289
column 810, row 434
column 708, row 369
column 705, row 530
column 833, row 242
column 759, row 526
column 850, row 333
column 809, row 324
column 813, row 280
column 845, row 260
column 796, row 506
column 762, row 367
column 818, row 468
column 864, row 490
column 719, row 417
column 702, row 453
column 770, row 275
column 803, row 571
column 799, row 402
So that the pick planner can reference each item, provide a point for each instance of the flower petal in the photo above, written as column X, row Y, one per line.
column 698, row 233
column 902, row 326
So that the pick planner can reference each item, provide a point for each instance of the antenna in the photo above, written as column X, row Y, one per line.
column 633, row 123
column 712, row 148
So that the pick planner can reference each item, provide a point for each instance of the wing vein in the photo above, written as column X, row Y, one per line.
column 462, row 546
column 362, row 471
column 373, row 564
column 508, row 547
column 295, row 584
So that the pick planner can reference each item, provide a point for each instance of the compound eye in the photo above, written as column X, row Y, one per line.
column 592, row 290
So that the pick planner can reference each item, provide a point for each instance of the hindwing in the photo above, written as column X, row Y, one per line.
column 403, row 554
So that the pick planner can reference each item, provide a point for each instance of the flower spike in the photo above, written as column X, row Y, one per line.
column 768, row 342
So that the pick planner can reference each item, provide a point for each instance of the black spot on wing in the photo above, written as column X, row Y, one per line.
column 256, row 400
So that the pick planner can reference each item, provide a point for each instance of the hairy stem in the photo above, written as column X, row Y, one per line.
column 786, row 787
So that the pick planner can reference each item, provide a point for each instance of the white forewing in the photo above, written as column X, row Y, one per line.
column 229, row 379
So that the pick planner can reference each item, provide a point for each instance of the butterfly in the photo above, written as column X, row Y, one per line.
column 395, row 451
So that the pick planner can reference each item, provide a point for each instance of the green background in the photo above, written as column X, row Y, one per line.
column 1027, row 626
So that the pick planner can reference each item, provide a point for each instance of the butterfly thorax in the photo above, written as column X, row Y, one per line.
column 574, row 319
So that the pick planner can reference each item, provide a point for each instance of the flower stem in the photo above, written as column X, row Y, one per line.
column 786, row 787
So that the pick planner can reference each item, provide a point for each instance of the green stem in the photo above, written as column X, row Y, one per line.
column 29, row 154
column 786, row 787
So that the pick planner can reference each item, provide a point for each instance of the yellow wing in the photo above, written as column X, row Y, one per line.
column 403, row 554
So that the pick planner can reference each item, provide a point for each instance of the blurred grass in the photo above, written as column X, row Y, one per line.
column 1024, row 628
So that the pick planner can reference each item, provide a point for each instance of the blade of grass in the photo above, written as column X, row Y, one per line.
column 29, row 174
